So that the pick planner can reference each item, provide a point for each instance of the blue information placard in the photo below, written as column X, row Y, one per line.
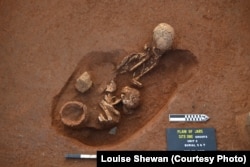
column 191, row 139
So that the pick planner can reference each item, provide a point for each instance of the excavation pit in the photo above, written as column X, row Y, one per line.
column 159, row 85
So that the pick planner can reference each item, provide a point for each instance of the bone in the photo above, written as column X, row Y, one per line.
column 145, row 57
column 104, row 108
column 111, row 87
column 101, row 118
column 163, row 36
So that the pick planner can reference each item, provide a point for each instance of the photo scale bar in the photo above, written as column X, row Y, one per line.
column 188, row 118
column 80, row 156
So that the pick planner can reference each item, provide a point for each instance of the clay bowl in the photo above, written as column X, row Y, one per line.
column 74, row 114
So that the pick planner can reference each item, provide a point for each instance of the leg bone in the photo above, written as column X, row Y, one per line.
column 104, row 108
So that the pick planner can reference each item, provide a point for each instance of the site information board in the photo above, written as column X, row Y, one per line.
column 191, row 139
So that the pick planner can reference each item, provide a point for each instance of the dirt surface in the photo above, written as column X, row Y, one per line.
column 44, row 43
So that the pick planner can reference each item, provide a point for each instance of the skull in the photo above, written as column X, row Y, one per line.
column 130, row 98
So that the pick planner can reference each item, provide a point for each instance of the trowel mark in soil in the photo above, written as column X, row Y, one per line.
column 175, row 67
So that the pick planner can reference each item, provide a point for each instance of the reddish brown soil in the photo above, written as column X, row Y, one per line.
column 43, row 43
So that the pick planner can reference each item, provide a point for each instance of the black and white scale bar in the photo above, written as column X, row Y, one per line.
column 188, row 117
column 80, row 156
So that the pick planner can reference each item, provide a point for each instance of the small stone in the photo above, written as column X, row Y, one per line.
column 113, row 131
column 83, row 83
column 163, row 36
